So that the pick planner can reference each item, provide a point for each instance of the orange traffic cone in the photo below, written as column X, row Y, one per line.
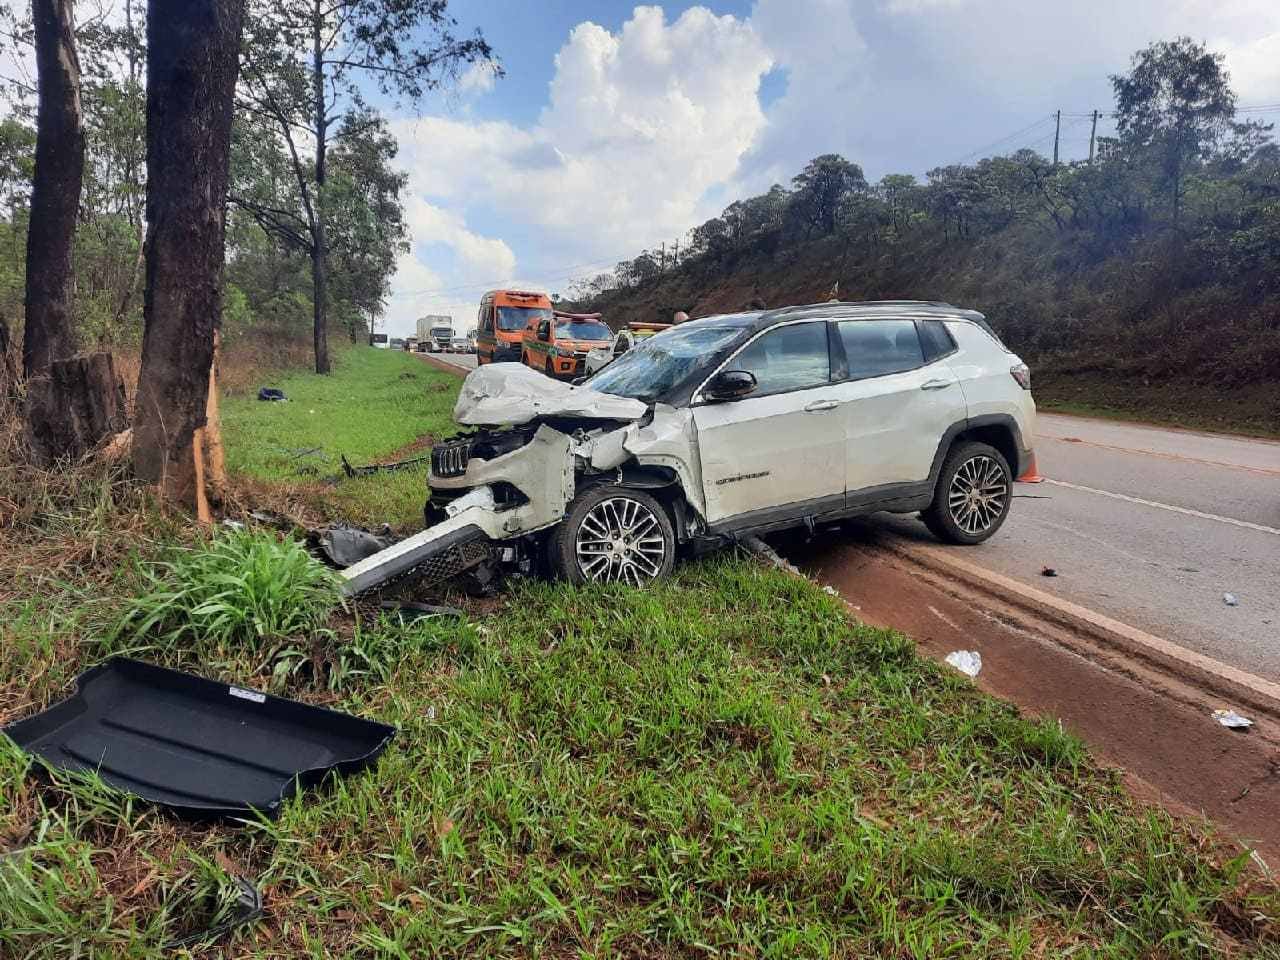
column 1032, row 475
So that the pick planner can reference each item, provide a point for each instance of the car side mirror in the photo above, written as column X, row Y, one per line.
column 729, row 385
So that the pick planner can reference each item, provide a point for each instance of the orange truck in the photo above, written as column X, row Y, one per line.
column 558, row 345
column 504, row 317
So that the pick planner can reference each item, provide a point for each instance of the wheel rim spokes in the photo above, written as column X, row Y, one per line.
column 977, row 495
column 620, row 541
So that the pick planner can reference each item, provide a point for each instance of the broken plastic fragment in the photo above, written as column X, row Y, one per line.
column 1229, row 718
column 412, row 612
column 246, row 908
column 831, row 590
column 1048, row 572
column 1230, row 600
column 968, row 662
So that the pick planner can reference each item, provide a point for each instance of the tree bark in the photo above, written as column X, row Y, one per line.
column 55, row 188
column 73, row 406
column 320, row 246
column 191, row 75
column 8, row 373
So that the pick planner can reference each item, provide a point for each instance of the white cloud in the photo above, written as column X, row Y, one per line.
column 477, row 79
column 433, row 225
column 920, row 6
column 1254, row 65
column 819, row 45
column 640, row 124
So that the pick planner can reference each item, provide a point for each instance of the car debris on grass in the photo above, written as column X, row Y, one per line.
column 195, row 746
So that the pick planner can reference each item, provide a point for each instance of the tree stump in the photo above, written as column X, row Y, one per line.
column 74, row 407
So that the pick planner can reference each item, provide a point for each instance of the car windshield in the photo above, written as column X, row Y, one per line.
column 583, row 330
column 441, row 332
column 517, row 318
column 655, row 365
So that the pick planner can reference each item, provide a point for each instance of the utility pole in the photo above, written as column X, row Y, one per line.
column 662, row 263
column 1093, row 134
column 1057, row 129
column 675, row 256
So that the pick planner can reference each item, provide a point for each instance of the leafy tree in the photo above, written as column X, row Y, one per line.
column 1176, row 103
column 822, row 187
column 304, row 65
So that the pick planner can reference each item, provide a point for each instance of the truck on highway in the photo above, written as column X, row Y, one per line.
column 436, row 331
column 503, row 318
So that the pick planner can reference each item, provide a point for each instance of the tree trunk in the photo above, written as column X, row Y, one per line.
column 55, row 188
column 191, row 75
column 8, row 373
column 320, row 248
column 75, row 405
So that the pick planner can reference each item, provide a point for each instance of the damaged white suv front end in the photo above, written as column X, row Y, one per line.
column 541, row 447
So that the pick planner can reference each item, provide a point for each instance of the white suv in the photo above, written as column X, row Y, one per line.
column 734, row 425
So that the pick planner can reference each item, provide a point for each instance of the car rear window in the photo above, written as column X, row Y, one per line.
column 936, row 340
column 874, row 348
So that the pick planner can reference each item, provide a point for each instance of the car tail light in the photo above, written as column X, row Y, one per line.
column 1022, row 373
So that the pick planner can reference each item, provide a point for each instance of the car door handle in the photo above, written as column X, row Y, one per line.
column 936, row 384
column 819, row 405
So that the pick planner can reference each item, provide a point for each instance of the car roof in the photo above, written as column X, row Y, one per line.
column 842, row 309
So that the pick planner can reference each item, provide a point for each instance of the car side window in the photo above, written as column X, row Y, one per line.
column 794, row 357
column 878, row 347
column 936, row 340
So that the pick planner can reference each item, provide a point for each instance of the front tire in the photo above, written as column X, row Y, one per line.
column 550, row 369
column 973, row 495
column 613, row 534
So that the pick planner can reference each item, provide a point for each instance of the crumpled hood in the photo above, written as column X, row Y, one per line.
column 511, row 393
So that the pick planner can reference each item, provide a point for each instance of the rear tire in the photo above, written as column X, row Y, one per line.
column 972, row 497
column 613, row 534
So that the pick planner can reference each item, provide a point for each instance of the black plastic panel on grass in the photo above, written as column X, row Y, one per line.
column 203, row 748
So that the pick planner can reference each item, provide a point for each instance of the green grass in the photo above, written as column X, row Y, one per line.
column 725, row 765
column 722, row 765
column 376, row 402
column 241, row 589
column 1252, row 412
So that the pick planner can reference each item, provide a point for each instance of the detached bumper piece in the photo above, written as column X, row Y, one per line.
column 437, row 553
column 202, row 748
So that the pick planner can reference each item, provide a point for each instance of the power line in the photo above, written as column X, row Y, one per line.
column 1013, row 136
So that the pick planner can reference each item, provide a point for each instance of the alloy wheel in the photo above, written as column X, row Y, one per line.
column 977, row 495
column 620, row 541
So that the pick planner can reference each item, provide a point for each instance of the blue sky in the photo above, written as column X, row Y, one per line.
column 619, row 126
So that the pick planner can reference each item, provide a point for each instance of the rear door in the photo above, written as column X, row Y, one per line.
column 780, row 452
column 899, row 397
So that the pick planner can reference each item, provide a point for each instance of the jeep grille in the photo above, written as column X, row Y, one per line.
column 449, row 459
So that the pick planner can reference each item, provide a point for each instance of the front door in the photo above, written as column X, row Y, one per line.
column 778, row 453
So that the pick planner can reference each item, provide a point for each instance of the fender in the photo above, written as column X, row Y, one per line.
column 1002, row 420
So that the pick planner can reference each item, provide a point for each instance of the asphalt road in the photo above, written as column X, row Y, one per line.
column 467, row 361
column 1151, row 527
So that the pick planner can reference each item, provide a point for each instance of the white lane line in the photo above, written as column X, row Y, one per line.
column 1166, row 506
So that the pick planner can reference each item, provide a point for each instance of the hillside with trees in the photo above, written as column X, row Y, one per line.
column 1145, row 280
